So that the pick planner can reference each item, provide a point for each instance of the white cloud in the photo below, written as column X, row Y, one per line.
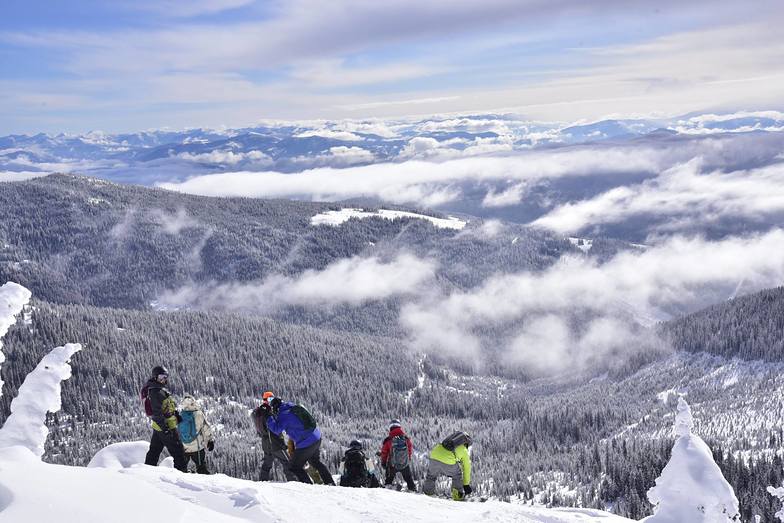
column 676, row 276
column 20, row 176
column 331, row 134
column 228, row 157
column 509, row 196
column 682, row 192
column 174, row 223
column 351, row 281
column 424, row 182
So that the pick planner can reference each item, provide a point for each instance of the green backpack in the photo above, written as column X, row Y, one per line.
column 307, row 419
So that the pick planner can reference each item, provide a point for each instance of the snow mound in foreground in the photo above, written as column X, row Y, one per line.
column 691, row 487
column 120, row 455
column 31, row 490
column 13, row 297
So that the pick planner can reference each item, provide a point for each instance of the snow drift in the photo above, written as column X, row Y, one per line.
column 13, row 297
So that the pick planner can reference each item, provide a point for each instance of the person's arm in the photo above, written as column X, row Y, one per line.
column 156, row 405
column 206, row 430
column 274, row 426
column 385, row 451
column 461, row 453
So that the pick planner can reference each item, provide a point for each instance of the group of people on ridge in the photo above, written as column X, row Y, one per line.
column 186, row 435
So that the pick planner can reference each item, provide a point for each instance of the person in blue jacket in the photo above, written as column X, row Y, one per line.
column 299, row 426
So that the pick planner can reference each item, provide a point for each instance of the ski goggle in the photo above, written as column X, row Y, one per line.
column 163, row 377
column 268, row 399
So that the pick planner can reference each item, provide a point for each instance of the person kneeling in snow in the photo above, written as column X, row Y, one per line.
column 300, row 426
column 450, row 458
column 195, row 434
column 355, row 468
column 162, row 411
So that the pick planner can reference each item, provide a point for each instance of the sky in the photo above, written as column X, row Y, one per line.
column 130, row 65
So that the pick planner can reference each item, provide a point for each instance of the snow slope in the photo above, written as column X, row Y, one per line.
column 31, row 490
column 335, row 218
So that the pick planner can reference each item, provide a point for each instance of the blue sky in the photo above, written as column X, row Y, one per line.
column 129, row 65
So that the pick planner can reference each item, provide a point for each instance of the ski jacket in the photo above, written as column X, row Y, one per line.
column 460, row 456
column 269, row 442
column 286, row 420
column 164, row 409
column 203, row 429
column 386, row 446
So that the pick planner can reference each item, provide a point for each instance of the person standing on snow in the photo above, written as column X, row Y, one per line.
column 195, row 434
column 272, row 445
column 396, row 456
column 300, row 426
column 160, row 407
column 450, row 458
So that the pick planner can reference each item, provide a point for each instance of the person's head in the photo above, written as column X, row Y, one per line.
column 355, row 445
column 267, row 397
column 466, row 440
column 274, row 404
column 394, row 424
column 160, row 374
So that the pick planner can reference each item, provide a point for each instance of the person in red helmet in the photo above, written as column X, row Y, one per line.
column 273, row 445
column 396, row 456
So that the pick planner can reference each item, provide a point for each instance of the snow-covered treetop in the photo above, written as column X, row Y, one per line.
column 12, row 298
column 39, row 394
column 683, row 419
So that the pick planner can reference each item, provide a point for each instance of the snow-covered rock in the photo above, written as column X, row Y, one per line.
column 691, row 487
column 120, row 455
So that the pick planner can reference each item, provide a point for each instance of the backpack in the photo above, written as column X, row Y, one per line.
column 145, row 397
column 304, row 416
column 187, row 427
column 398, row 454
column 355, row 469
column 454, row 440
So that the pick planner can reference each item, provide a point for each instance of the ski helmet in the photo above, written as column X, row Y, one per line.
column 267, row 396
column 394, row 423
column 355, row 445
column 159, row 370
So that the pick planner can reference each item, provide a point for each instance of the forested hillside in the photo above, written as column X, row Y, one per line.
column 749, row 327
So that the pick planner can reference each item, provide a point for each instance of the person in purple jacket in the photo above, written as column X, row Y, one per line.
column 299, row 425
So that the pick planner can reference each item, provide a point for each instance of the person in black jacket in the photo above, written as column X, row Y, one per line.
column 273, row 445
column 162, row 411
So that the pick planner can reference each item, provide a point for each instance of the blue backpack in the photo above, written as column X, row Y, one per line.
column 187, row 427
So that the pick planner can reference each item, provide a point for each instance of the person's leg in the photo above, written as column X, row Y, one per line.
column 201, row 462
column 407, row 476
column 283, row 457
column 156, row 447
column 390, row 475
column 297, row 464
column 266, row 466
column 433, row 468
column 315, row 461
column 176, row 451
column 456, row 473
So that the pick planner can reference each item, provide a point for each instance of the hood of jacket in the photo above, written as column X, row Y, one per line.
column 396, row 431
column 189, row 403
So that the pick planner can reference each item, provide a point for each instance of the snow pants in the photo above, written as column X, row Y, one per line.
column 269, row 459
column 435, row 469
column 200, row 459
column 310, row 455
column 405, row 472
column 170, row 442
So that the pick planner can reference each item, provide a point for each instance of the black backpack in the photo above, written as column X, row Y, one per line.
column 456, row 439
column 355, row 473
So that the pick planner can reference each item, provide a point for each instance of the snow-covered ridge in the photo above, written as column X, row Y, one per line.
column 13, row 298
column 335, row 218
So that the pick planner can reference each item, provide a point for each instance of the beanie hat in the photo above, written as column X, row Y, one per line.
column 394, row 423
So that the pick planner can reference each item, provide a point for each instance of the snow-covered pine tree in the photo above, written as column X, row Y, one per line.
column 691, row 487
column 779, row 493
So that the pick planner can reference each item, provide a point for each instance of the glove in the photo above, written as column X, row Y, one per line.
column 210, row 445
column 177, row 415
column 467, row 489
